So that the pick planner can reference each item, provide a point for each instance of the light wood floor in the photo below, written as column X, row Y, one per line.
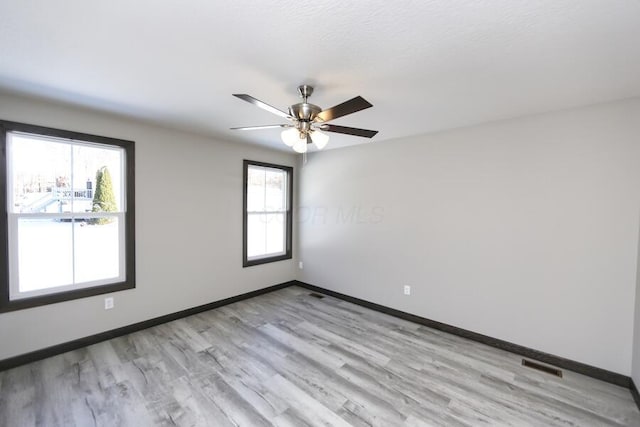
column 289, row 359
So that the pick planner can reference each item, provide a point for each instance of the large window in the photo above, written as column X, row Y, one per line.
column 267, row 212
column 68, row 228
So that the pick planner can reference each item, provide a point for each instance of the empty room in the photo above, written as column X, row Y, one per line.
column 320, row 213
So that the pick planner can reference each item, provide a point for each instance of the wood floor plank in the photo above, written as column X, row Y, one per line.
column 290, row 418
column 17, row 397
column 309, row 409
column 238, row 410
column 289, row 359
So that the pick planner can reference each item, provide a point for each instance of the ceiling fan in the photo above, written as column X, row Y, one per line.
column 308, row 121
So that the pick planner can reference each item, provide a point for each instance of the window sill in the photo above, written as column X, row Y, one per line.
column 20, row 304
column 266, row 260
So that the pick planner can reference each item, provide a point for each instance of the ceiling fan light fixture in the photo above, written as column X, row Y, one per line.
column 290, row 136
column 300, row 146
column 320, row 139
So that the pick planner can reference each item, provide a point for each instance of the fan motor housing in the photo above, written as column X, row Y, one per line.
column 304, row 111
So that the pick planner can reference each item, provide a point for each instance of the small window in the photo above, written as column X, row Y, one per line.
column 69, row 217
column 267, row 217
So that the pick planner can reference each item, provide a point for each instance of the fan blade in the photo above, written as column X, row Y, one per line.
column 251, row 100
column 350, row 131
column 351, row 106
column 261, row 127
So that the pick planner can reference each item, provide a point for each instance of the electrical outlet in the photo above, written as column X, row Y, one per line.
column 108, row 303
column 300, row 266
column 407, row 290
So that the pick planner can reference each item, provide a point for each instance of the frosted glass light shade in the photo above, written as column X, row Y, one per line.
column 290, row 136
column 320, row 139
column 300, row 146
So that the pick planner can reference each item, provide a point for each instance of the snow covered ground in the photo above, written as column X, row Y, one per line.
column 48, row 259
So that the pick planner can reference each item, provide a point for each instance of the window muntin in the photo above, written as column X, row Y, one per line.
column 267, row 213
column 69, row 225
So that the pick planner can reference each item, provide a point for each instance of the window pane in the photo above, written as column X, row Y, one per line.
column 44, row 254
column 275, row 233
column 97, row 250
column 256, row 235
column 255, row 189
column 97, row 179
column 39, row 169
column 275, row 190
column 265, row 234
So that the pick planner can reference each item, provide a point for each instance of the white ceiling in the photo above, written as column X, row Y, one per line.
column 424, row 65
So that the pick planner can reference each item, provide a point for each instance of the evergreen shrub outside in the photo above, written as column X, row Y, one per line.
column 104, row 199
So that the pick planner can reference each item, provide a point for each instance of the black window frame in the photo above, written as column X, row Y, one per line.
column 289, row 214
column 6, row 304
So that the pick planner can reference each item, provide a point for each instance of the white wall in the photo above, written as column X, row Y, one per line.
column 635, row 369
column 524, row 230
column 188, row 228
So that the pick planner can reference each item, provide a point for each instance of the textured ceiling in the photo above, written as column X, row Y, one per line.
column 425, row 65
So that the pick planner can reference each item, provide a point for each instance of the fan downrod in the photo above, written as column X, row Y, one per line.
column 305, row 92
